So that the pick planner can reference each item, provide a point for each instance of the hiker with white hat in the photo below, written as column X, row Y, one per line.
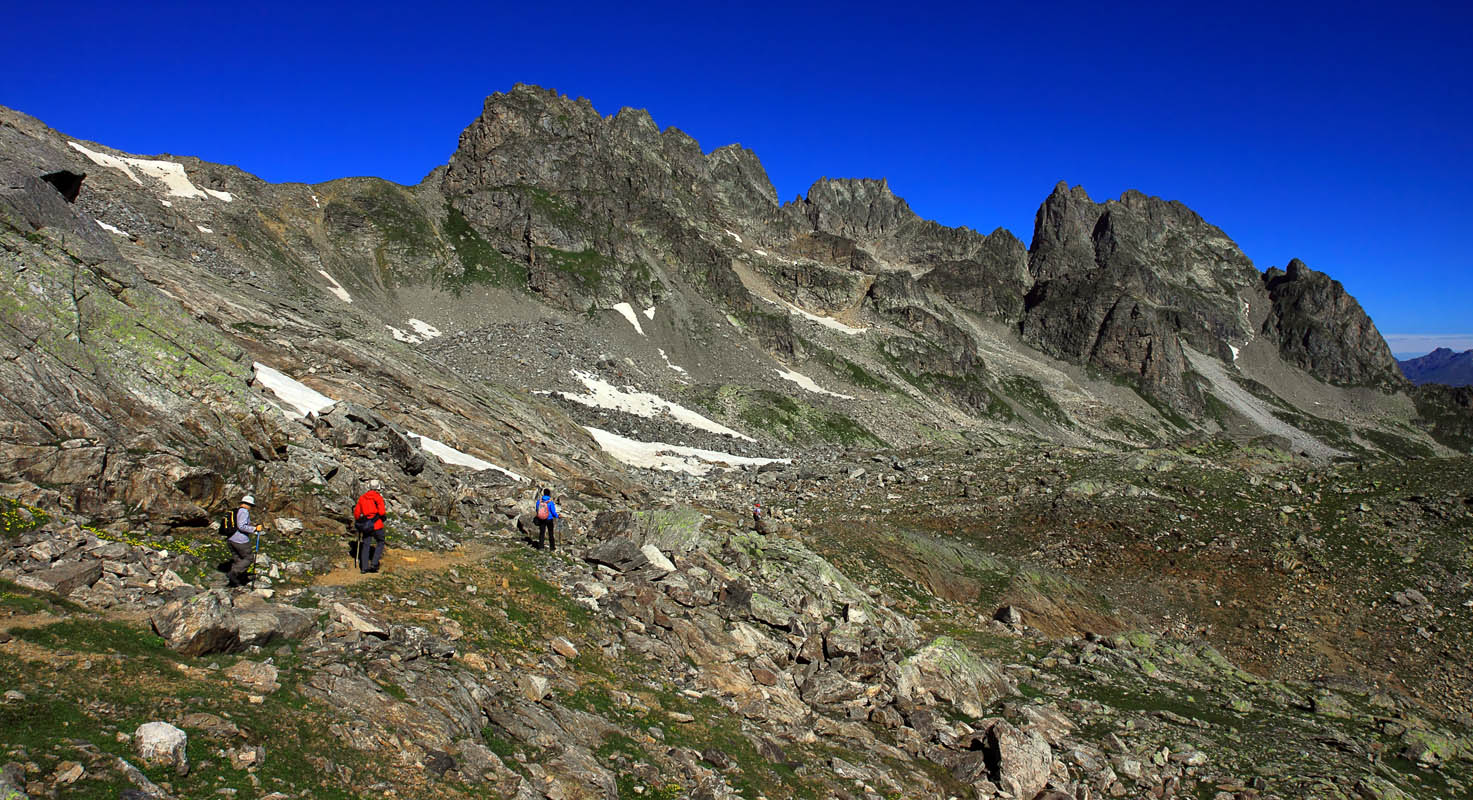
column 240, row 542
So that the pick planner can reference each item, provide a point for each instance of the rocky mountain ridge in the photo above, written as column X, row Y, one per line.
column 1440, row 366
column 999, row 561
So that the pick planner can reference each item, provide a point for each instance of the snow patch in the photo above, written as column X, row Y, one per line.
column 336, row 288
column 808, row 385
column 169, row 173
column 628, row 312
column 1235, row 352
column 733, row 235
column 203, row 229
column 827, row 322
column 424, row 329
column 302, row 398
column 670, row 457
column 402, row 336
column 315, row 202
column 649, row 313
column 450, row 455
column 111, row 229
column 760, row 252
column 681, row 370
column 602, row 394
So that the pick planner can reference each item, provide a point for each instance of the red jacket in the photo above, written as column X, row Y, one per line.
column 371, row 506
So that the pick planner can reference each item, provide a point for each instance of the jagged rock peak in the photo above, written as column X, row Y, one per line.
column 1321, row 328
column 857, row 208
column 530, row 136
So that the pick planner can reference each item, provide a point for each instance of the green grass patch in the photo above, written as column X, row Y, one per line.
column 480, row 262
column 585, row 267
column 1029, row 393
column 96, row 636
column 782, row 416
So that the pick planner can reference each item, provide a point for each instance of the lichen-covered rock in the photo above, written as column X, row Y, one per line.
column 946, row 671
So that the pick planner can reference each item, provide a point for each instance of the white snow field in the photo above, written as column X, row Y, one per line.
column 681, row 370
column 602, row 394
column 450, row 455
column 336, row 288
column 670, row 457
column 423, row 332
column 424, row 329
column 301, row 400
column 111, row 229
column 649, row 313
column 808, row 385
column 827, row 322
column 628, row 312
column 169, row 173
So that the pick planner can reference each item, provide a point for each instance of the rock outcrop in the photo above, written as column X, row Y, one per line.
column 1318, row 326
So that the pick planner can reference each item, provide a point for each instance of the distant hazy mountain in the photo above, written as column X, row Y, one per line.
column 1440, row 366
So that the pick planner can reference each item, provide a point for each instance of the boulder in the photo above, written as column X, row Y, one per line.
column 1017, row 761
column 621, row 554
column 656, row 559
column 361, row 619
column 254, row 675
column 946, row 671
column 269, row 622
column 534, row 687
column 65, row 578
column 163, row 744
column 210, row 623
column 194, row 626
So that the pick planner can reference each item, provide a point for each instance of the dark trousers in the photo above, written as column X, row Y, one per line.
column 544, row 532
column 371, row 550
column 244, row 558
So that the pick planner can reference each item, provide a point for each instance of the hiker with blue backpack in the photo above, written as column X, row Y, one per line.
column 546, row 514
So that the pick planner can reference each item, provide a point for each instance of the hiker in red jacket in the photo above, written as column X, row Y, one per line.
column 368, row 520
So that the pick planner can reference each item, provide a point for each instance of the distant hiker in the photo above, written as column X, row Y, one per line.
column 240, row 542
column 368, row 519
column 759, row 522
column 546, row 514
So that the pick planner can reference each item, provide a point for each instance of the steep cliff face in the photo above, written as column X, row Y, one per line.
column 1121, row 284
column 1318, row 326
column 595, row 206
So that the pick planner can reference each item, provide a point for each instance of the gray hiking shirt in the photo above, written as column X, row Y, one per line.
column 243, row 526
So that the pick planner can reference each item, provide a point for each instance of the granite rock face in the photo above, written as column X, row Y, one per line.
column 1321, row 328
column 1120, row 286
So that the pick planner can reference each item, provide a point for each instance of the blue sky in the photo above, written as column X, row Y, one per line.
column 1337, row 133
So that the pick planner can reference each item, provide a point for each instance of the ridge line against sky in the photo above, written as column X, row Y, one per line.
column 1337, row 134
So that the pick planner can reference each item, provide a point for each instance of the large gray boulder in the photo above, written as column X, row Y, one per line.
column 65, row 578
column 946, row 671
column 211, row 622
column 204, row 623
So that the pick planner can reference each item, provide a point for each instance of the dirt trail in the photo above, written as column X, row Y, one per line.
column 1254, row 409
column 400, row 562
